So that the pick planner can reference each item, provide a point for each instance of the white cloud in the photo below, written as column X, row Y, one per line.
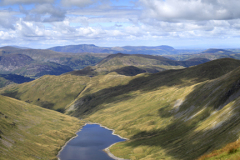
column 7, row 19
column 156, row 22
column 175, row 10
column 44, row 13
column 7, row 35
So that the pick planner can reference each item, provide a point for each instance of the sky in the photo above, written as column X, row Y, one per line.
column 182, row 24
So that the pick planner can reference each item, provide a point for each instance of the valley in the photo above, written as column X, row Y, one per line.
column 119, row 79
column 167, row 109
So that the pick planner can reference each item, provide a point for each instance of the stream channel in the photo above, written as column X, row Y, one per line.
column 89, row 144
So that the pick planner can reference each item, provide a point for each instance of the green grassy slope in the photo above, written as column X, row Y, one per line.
column 52, row 92
column 229, row 152
column 131, row 65
column 145, row 60
column 31, row 132
column 176, row 114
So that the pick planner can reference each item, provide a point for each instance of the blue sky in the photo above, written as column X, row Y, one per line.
column 178, row 23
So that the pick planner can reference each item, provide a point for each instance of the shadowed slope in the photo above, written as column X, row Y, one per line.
column 45, row 61
column 52, row 92
column 139, row 59
column 151, row 82
column 131, row 65
column 32, row 132
column 179, row 114
column 174, row 114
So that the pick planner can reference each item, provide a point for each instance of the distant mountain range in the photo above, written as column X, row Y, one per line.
column 37, row 62
column 133, row 64
column 210, row 54
column 58, row 60
column 91, row 48
column 24, row 65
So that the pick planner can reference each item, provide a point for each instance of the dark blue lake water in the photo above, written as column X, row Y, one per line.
column 89, row 144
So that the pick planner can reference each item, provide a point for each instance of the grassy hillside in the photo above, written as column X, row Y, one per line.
column 52, row 92
column 229, row 152
column 179, row 114
column 31, row 132
column 131, row 65
column 145, row 60
column 174, row 114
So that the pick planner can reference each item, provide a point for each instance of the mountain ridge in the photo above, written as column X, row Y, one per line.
column 162, row 60
column 91, row 48
column 36, row 62
column 173, row 114
column 160, row 110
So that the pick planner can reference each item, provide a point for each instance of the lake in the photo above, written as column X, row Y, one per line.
column 89, row 144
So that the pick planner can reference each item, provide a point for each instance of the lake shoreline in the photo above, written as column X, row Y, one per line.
column 106, row 150
column 69, row 141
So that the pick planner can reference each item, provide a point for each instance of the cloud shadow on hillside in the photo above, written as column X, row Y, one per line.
column 151, row 82
column 179, row 139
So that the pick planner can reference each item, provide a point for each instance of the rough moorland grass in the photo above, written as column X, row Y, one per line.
column 52, row 92
column 229, row 152
column 179, row 114
column 31, row 132
column 151, row 65
column 175, row 114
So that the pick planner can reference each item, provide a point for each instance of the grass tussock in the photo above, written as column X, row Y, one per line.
column 230, row 151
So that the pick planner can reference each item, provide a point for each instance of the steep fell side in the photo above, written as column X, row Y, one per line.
column 175, row 114
column 31, row 132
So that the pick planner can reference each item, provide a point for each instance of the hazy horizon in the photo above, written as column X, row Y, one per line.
column 178, row 48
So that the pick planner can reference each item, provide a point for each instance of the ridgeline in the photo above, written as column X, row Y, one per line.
column 179, row 113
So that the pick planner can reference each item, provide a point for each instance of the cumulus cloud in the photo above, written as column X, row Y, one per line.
column 6, row 19
column 174, row 10
column 44, row 13
column 9, row 2
column 155, row 20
